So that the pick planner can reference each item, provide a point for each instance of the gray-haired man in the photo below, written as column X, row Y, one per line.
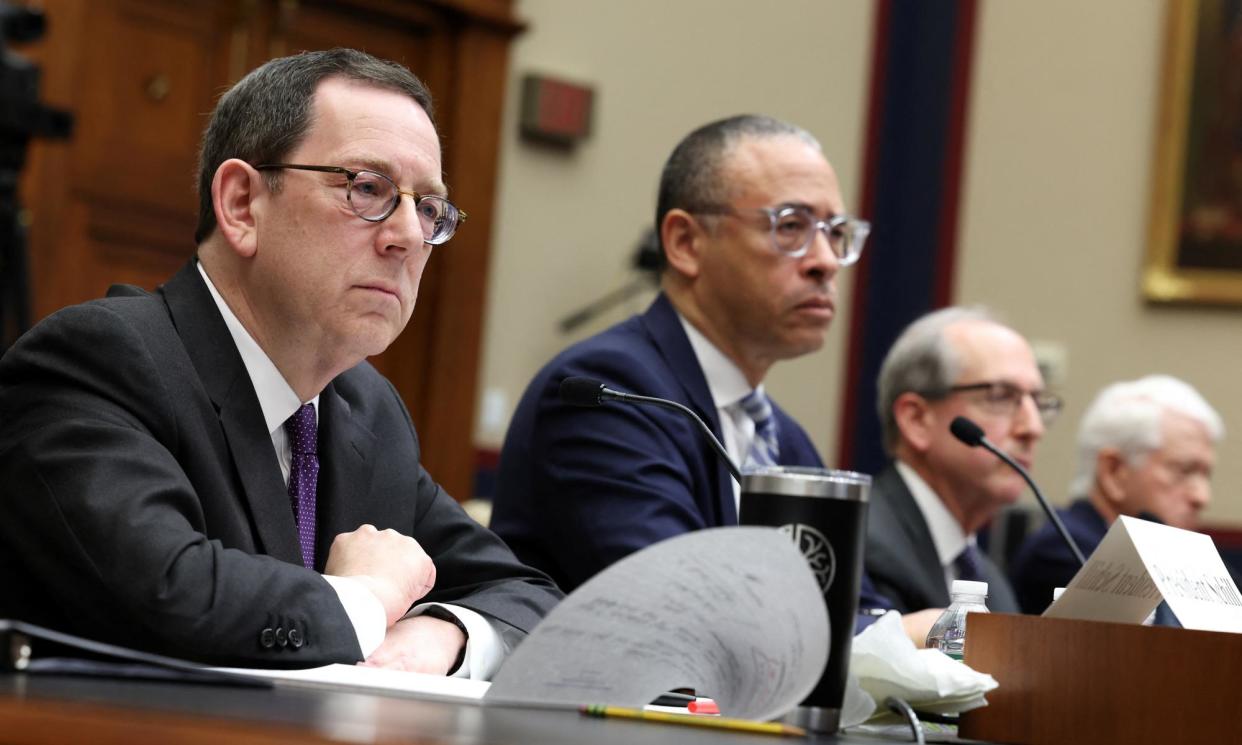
column 1144, row 446
column 927, row 506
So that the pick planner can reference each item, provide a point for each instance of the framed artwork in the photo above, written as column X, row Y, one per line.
column 1195, row 231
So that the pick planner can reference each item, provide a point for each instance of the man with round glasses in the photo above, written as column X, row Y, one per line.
column 928, row 505
column 213, row 471
column 753, row 230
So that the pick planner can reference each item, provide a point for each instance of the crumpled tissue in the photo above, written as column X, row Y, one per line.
column 884, row 662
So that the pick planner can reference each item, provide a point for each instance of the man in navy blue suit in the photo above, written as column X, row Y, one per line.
column 753, row 231
column 1144, row 446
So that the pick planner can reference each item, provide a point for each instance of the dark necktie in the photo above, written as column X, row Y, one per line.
column 303, row 476
column 1165, row 616
column 764, row 448
column 969, row 564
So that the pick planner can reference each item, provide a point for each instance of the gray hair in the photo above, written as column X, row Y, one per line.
column 921, row 361
column 692, row 177
column 266, row 114
column 1129, row 416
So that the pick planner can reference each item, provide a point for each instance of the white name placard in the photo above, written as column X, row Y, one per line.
column 1139, row 563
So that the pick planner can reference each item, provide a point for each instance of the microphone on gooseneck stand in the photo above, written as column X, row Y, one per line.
column 580, row 391
column 972, row 434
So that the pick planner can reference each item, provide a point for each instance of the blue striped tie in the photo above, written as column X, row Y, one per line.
column 764, row 448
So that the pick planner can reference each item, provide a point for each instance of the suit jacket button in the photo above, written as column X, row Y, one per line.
column 267, row 638
column 282, row 638
column 295, row 639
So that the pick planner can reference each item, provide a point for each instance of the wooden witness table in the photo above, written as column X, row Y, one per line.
column 44, row 709
column 1066, row 682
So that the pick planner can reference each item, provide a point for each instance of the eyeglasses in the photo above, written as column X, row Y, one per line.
column 374, row 197
column 793, row 229
column 1004, row 399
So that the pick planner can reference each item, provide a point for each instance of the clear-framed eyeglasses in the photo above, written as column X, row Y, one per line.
column 374, row 197
column 1004, row 399
column 793, row 229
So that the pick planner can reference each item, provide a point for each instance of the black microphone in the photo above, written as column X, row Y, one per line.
column 589, row 392
column 972, row 434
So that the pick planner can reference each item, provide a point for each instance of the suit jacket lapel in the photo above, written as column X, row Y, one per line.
column 664, row 326
column 214, row 355
column 925, row 562
column 347, row 452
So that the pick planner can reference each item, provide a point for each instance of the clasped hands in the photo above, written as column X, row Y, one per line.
column 399, row 572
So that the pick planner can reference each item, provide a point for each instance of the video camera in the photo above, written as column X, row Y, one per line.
column 21, row 118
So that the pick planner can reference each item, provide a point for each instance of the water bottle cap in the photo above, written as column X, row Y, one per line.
column 966, row 587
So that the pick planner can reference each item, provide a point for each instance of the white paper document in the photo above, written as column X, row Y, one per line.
column 374, row 680
column 1139, row 563
column 734, row 613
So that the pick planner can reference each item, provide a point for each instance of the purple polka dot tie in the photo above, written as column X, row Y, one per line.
column 303, row 476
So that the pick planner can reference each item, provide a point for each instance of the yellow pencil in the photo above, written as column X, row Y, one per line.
column 737, row 725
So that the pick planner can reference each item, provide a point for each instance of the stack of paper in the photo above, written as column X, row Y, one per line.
column 734, row 613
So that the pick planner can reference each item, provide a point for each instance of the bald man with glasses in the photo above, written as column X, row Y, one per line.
column 927, row 506
column 213, row 471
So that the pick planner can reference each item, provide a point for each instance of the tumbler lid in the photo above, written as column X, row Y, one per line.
column 802, row 481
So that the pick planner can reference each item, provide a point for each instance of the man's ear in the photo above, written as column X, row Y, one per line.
column 683, row 238
column 1111, row 473
column 915, row 420
column 235, row 189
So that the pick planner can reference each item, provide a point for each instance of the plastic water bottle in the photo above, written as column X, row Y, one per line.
column 949, row 632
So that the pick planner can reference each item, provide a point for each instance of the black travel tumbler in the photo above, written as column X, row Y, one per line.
column 824, row 512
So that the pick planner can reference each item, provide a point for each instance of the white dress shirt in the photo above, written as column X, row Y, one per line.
column 484, row 647
column 728, row 386
column 946, row 532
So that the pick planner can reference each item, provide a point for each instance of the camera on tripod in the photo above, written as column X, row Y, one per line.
column 21, row 118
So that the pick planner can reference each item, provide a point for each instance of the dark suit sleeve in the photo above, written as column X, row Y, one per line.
column 1042, row 564
column 474, row 568
column 581, row 488
column 103, row 532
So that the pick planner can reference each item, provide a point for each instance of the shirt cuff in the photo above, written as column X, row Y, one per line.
column 365, row 612
column 485, row 649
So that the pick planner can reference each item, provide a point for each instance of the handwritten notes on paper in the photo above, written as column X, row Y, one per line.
column 734, row 613
column 1139, row 563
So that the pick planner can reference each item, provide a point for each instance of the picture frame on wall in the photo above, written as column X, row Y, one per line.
column 1194, row 252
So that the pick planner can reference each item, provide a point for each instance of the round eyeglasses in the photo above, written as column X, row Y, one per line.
column 793, row 229
column 374, row 197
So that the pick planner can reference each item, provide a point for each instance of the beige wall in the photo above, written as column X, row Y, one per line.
column 1062, row 129
column 1053, row 222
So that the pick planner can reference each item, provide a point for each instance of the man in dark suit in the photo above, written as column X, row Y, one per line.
column 1145, row 446
column 212, row 471
column 927, row 506
column 753, row 231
